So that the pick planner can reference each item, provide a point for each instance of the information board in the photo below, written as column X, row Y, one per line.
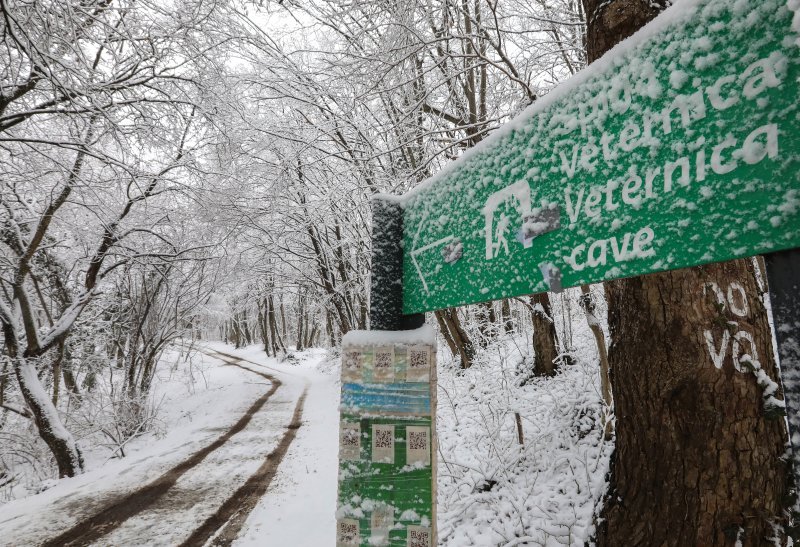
column 387, row 440
column 678, row 148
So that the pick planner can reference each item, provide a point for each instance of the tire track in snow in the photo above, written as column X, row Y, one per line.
column 114, row 515
column 224, row 526
column 225, row 356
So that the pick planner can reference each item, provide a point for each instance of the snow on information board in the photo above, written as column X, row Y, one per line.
column 678, row 148
column 387, row 440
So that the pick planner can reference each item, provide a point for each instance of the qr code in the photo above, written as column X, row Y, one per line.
column 350, row 437
column 417, row 440
column 417, row 358
column 419, row 538
column 383, row 359
column 348, row 532
column 384, row 438
column 352, row 360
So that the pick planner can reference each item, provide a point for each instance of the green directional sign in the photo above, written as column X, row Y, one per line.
column 680, row 147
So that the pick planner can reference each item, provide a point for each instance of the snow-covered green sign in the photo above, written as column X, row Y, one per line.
column 679, row 147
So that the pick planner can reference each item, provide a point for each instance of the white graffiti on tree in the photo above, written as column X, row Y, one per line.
column 742, row 344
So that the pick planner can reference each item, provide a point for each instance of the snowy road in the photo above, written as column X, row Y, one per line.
column 260, row 480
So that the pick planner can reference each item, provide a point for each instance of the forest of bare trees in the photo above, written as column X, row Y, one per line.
column 203, row 169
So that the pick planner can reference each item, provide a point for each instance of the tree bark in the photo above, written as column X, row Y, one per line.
column 246, row 323
column 283, row 319
column 60, row 442
column 262, row 325
column 300, row 321
column 545, row 340
column 608, row 22
column 236, row 333
column 330, row 327
column 460, row 339
column 589, row 309
column 272, row 321
column 446, row 333
column 505, row 313
column 57, row 372
column 698, row 453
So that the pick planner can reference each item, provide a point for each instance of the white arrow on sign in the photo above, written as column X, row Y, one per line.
column 421, row 250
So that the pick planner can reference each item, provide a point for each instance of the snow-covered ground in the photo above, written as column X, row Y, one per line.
column 300, row 506
column 194, row 415
column 492, row 490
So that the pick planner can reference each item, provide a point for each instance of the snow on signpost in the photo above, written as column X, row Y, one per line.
column 679, row 147
column 387, row 464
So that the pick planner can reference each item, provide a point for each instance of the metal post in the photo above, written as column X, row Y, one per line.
column 783, row 274
column 386, row 302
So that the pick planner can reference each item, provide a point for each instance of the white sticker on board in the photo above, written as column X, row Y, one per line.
column 418, row 536
column 350, row 441
column 383, row 364
column 381, row 522
column 419, row 364
column 382, row 443
column 347, row 534
column 418, row 445
column 352, row 363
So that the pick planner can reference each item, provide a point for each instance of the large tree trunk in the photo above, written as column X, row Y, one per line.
column 698, row 453
column 545, row 340
column 450, row 326
column 60, row 442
